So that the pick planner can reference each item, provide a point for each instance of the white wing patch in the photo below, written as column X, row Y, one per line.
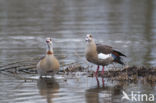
column 104, row 56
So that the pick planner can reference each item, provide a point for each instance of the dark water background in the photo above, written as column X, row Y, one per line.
column 127, row 25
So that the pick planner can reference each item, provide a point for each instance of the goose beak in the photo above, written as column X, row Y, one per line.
column 86, row 39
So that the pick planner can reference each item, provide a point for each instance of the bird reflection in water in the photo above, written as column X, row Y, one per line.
column 48, row 87
column 106, row 94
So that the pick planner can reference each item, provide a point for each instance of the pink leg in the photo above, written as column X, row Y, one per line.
column 103, row 82
column 97, row 70
column 97, row 80
column 103, row 70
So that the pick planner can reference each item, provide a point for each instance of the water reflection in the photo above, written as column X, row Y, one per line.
column 148, row 35
column 128, row 25
column 48, row 88
column 101, row 94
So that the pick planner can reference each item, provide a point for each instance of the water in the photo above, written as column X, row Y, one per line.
column 127, row 25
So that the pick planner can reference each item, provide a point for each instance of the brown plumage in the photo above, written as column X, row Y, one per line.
column 103, row 49
column 107, row 50
column 101, row 54
column 48, row 65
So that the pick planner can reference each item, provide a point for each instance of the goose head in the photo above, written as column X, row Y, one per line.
column 49, row 41
column 49, row 46
column 89, row 38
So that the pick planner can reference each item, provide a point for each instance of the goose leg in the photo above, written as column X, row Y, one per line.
column 103, row 82
column 97, row 80
column 103, row 71
column 97, row 70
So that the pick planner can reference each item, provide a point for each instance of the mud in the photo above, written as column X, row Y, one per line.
column 132, row 73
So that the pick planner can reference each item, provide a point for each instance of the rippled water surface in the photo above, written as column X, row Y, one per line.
column 127, row 25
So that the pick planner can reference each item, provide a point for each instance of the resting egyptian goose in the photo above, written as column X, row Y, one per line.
column 48, row 65
column 101, row 54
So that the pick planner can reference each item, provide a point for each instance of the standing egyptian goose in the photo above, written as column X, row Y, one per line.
column 101, row 54
column 48, row 65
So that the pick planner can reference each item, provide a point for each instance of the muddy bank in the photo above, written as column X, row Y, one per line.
column 126, row 73
column 132, row 73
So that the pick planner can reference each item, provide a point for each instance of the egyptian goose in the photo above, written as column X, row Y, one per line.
column 101, row 54
column 48, row 65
